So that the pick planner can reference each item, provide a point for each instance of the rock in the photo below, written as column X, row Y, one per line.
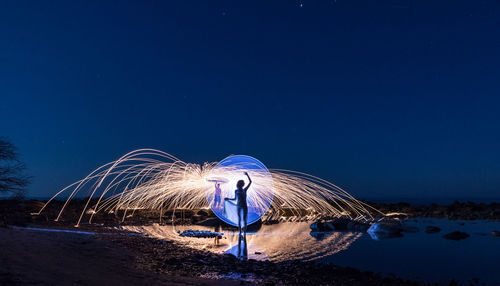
column 456, row 235
column 432, row 229
column 342, row 223
column 271, row 221
column 314, row 226
column 383, row 230
column 200, row 233
column 322, row 226
column 351, row 225
column 329, row 226
column 196, row 218
column 185, row 213
column 202, row 213
column 386, row 227
column 495, row 233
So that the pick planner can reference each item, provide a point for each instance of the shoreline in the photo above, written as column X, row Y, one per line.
column 455, row 211
column 163, row 261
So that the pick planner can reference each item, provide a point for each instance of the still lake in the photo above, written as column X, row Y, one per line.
column 417, row 255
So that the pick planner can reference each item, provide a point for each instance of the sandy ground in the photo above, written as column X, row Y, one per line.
column 30, row 257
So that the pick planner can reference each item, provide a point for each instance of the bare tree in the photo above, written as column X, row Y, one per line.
column 13, row 180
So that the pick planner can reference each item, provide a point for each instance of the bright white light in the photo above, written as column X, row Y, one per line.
column 226, row 174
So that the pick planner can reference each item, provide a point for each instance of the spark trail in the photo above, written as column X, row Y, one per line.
column 155, row 180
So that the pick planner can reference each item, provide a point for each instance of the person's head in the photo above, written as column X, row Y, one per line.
column 240, row 184
column 218, row 185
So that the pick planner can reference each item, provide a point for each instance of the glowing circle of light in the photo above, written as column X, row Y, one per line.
column 226, row 174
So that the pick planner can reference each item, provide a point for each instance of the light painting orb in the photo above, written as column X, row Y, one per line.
column 222, row 184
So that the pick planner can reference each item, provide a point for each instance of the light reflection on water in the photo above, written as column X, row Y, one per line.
column 419, row 255
column 278, row 242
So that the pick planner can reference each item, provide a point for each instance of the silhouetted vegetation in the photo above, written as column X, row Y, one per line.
column 13, row 180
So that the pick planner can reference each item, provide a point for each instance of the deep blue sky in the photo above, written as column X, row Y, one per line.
column 383, row 98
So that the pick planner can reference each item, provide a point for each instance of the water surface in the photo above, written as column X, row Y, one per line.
column 417, row 255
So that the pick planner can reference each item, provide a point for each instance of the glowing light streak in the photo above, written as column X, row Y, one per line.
column 155, row 180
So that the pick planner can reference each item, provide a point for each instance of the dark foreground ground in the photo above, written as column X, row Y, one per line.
column 47, row 258
column 30, row 257
column 115, row 258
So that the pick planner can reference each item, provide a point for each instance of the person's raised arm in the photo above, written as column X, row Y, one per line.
column 249, row 182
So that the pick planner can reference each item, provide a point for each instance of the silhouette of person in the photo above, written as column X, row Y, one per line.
column 240, row 195
column 217, row 197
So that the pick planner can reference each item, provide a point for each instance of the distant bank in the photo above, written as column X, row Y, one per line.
column 428, row 201
column 413, row 201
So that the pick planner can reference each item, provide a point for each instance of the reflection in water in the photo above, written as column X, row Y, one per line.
column 383, row 235
column 277, row 242
column 409, row 257
column 240, row 250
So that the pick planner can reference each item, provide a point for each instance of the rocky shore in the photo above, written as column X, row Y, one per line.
column 455, row 211
column 168, row 259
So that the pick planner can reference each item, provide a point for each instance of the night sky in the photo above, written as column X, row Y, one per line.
column 387, row 99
